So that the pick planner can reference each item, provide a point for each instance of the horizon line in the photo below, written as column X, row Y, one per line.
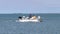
column 29, row 13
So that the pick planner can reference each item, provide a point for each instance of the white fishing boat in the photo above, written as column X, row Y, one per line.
column 30, row 19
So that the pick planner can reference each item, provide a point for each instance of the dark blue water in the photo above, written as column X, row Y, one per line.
column 10, row 25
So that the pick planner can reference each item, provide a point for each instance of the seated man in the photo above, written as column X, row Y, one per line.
column 34, row 17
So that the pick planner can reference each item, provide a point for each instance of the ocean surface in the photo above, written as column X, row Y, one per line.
column 9, row 24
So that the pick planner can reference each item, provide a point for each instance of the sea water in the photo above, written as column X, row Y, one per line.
column 10, row 25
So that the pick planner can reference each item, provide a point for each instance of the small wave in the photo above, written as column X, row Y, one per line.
column 17, row 21
column 6, row 20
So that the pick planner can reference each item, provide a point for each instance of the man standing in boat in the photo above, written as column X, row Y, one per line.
column 30, row 16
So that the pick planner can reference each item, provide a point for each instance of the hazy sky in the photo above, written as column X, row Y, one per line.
column 29, row 6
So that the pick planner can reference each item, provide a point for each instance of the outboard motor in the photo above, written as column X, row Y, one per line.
column 40, row 18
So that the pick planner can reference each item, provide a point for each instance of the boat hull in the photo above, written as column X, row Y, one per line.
column 26, row 20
